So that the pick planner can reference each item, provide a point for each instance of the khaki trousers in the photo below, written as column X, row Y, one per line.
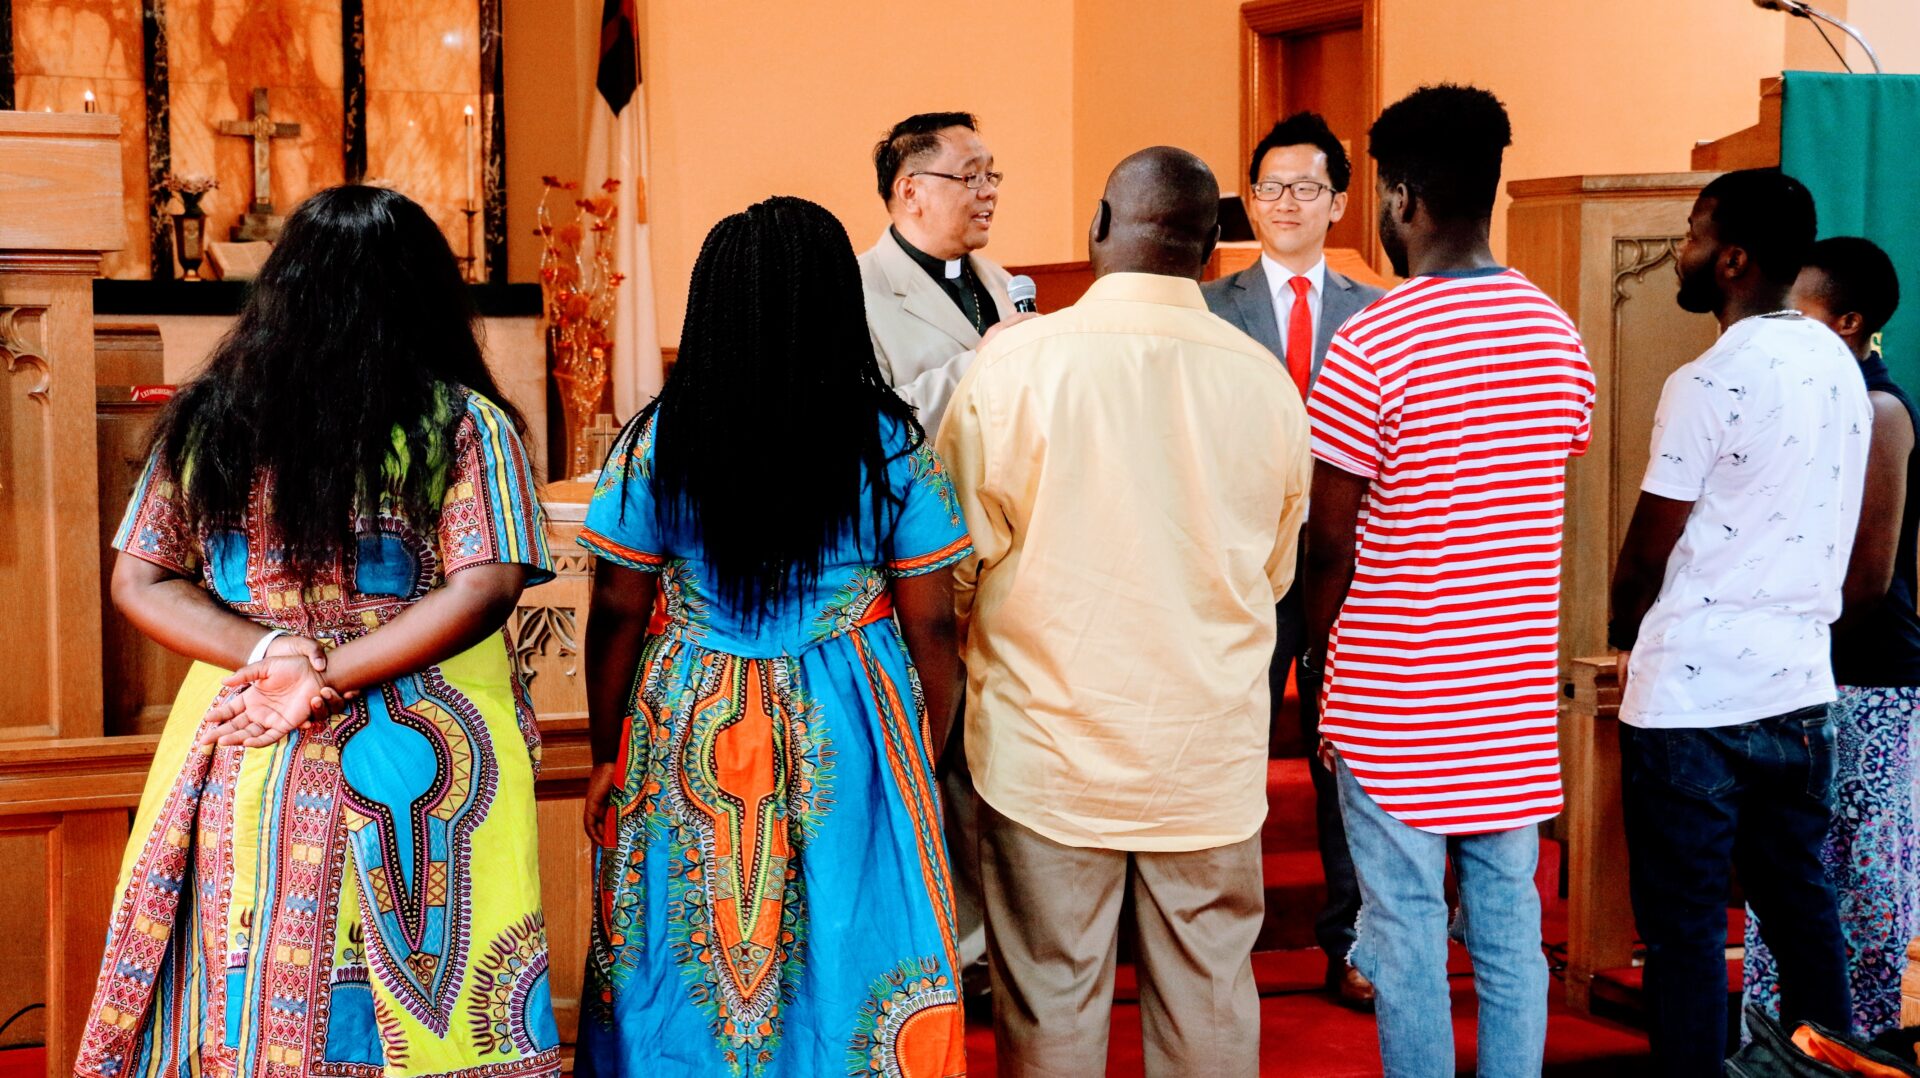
column 1053, row 926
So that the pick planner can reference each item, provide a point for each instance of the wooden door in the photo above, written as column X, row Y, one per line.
column 1321, row 55
column 1322, row 67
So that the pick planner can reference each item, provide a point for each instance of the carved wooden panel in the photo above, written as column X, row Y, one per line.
column 1602, row 247
column 549, row 627
column 1651, row 337
column 23, row 347
column 49, row 568
column 59, row 209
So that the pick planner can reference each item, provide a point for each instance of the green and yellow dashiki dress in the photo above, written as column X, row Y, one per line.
column 360, row 899
column 771, row 897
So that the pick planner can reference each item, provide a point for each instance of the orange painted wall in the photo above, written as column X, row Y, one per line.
column 1148, row 72
column 757, row 97
column 1626, row 86
column 761, row 97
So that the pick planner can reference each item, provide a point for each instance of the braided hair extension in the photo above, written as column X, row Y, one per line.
column 343, row 377
column 771, row 423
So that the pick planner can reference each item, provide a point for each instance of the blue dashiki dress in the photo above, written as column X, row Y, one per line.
column 360, row 899
column 771, row 894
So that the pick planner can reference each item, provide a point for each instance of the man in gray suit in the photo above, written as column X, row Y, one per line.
column 1292, row 303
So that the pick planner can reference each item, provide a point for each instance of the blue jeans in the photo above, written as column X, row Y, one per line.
column 1699, row 804
column 1402, row 939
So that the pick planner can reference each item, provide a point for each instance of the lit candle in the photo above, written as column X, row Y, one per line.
column 89, row 104
column 473, row 158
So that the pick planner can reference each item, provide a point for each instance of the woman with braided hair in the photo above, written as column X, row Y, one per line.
column 770, row 655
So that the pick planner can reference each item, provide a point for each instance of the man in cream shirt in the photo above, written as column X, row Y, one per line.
column 1134, row 473
column 931, row 298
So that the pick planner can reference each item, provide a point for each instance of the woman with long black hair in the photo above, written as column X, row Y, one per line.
column 771, row 890
column 334, row 870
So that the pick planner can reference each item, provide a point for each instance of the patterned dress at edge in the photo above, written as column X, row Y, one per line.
column 361, row 898
column 1872, row 849
column 1872, row 854
column 771, row 897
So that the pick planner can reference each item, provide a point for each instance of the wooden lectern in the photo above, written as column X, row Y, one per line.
column 59, row 210
column 1604, row 248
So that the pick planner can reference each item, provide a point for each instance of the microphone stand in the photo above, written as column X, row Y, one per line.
column 1808, row 11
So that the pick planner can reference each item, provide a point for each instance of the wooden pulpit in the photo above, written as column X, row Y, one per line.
column 1604, row 247
column 59, row 210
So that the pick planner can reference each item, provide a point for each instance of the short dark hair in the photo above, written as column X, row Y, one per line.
column 915, row 136
column 1445, row 143
column 1769, row 215
column 1305, row 129
column 1859, row 278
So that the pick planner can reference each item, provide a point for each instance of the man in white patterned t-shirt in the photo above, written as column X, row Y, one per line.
column 1727, row 581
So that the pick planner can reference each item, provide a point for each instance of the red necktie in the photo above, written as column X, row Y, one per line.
column 1300, row 336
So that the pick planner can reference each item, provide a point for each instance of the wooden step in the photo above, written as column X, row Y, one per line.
column 1296, row 889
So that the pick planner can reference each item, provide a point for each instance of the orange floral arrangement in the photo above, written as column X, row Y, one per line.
column 577, row 286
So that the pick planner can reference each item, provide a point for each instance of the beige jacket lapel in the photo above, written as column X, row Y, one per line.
column 921, row 297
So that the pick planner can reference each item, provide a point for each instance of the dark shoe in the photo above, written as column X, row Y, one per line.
column 1351, row 987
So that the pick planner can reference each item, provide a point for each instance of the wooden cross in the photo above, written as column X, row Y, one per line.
column 599, row 436
column 262, row 130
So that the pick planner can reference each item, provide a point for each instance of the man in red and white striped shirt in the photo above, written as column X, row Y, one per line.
column 1442, row 422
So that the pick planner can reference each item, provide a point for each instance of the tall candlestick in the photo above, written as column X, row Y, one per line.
column 473, row 158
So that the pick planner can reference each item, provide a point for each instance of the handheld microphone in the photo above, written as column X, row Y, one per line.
column 1791, row 7
column 1022, row 291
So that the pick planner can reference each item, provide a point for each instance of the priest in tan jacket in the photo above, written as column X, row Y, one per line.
column 932, row 300
column 931, row 297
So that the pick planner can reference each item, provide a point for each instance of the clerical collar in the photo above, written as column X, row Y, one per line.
column 947, row 269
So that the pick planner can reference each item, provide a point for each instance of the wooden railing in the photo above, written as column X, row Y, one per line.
column 81, row 793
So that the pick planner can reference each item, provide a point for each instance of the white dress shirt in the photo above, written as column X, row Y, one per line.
column 1278, row 277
